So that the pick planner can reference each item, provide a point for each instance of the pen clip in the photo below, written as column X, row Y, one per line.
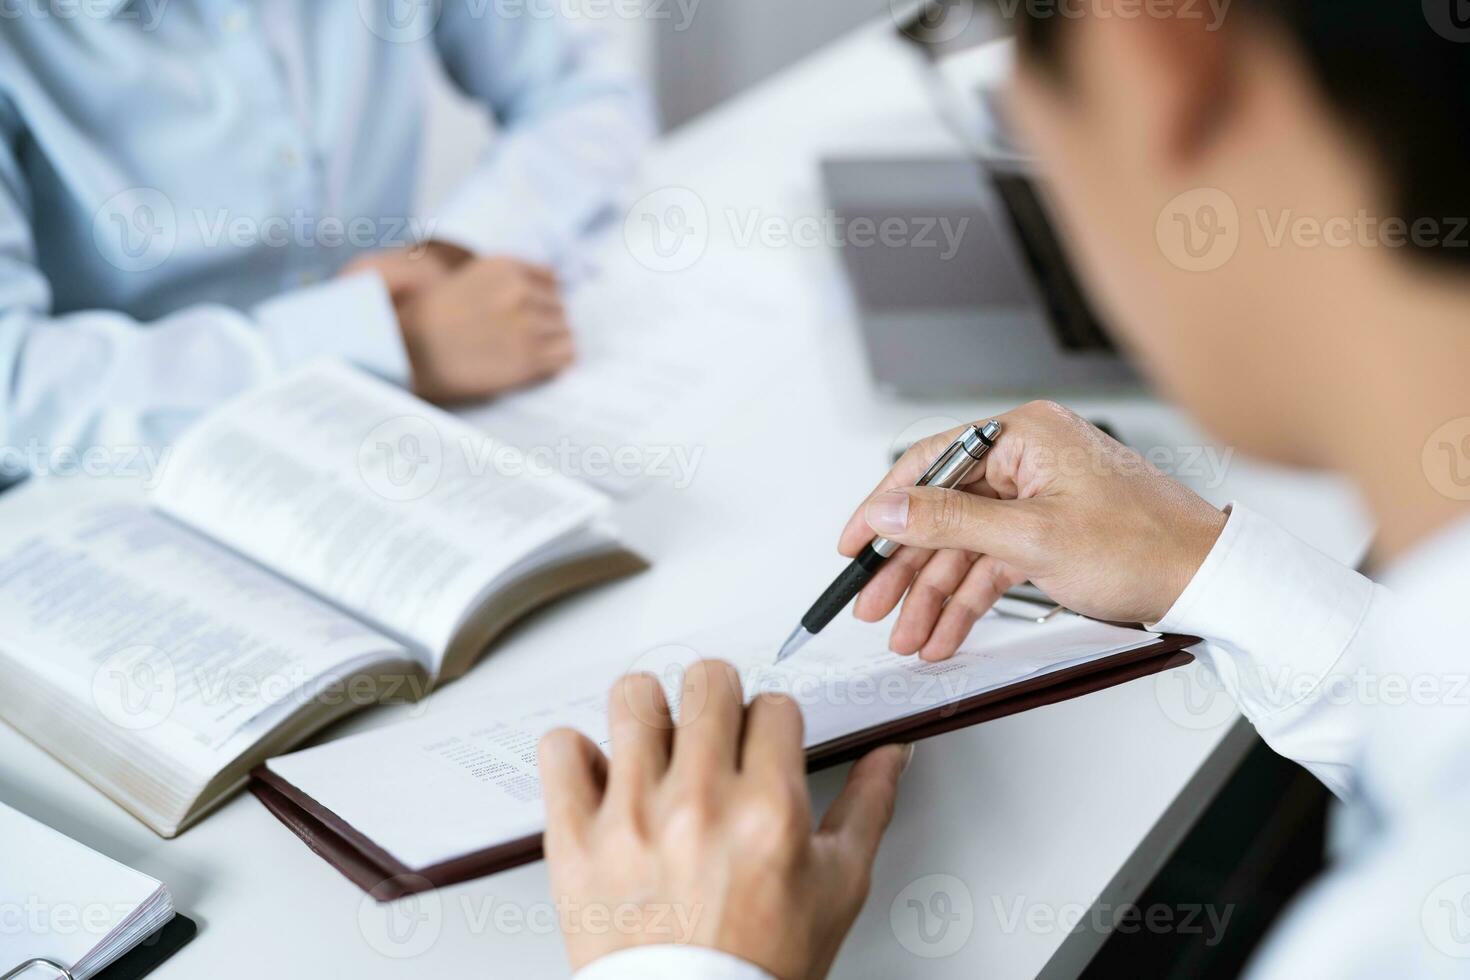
column 955, row 447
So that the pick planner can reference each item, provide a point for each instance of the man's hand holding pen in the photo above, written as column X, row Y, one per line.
column 1056, row 502
column 712, row 812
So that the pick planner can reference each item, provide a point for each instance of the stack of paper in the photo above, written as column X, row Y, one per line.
column 66, row 903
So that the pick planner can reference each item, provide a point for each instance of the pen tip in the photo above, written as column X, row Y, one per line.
column 793, row 643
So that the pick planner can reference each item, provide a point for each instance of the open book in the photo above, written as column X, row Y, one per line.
column 316, row 545
column 72, row 907
column 465, row 796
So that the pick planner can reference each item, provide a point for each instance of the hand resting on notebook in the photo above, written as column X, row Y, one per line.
column 1057, row 502
column 701, row 834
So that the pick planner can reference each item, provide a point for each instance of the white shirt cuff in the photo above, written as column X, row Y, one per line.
column 490, row 218
column 350, row 318
column 1279, row 614
column 670, row 963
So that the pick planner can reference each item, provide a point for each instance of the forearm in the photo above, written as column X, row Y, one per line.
column 99, row 378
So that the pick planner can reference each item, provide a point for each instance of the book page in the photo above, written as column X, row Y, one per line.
column 155, row 631
column 468, row 780
column 386, row 506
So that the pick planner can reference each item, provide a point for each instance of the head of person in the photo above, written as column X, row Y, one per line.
column 1261, row 194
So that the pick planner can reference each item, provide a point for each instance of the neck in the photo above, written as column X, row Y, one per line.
column 1389, row 406
column 1376, row 339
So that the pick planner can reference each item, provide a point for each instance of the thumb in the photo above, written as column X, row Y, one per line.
column 863, row 810
column 934, row 518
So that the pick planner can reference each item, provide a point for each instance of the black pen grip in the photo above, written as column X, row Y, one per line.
column 843, row 590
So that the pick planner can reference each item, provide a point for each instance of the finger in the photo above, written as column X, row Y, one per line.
column 545, row 302
column 542, row 274
column 573, row 772
column 909, row 469
column 860, row 815
column 641, row 730
column 880, row 595
column 926, row 597
column 773, row 739
column 987, row 581
column 539, row 299
column 711, row 715
column 557, row 350
column 552, row 359
column 929, row 517
column 501, row 273
column 549, row 328
column 534, row 292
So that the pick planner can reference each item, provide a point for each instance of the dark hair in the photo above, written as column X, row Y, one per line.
column 1398, row 73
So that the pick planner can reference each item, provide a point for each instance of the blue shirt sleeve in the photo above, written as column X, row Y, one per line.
column 573, row 120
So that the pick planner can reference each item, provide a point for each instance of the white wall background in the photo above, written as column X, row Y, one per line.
column 728, row 45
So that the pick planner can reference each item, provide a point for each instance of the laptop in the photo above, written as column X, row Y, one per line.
column 974, row 293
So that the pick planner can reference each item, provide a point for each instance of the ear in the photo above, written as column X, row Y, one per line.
column 1164, row 71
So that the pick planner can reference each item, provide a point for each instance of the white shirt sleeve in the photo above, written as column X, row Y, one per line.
column 1400, row 908
column 671, row 963
column 351, row 318
column 1287, row 633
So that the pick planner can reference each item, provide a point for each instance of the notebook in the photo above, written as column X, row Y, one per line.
column 320, row 544
column 456, row 796
column 76, row 908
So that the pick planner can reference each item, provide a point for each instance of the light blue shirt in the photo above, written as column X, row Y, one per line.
column 180, row 180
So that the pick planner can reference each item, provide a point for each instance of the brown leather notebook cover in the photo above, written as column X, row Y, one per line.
column 378, row 873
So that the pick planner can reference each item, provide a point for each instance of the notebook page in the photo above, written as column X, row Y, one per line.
column 598, row 421
column 468, row 780
column 617, row 418
column 369, row 497
column 158, row 632
column 63, row 901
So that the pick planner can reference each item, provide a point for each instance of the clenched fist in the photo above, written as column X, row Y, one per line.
column 490, row 326
column 473, row 327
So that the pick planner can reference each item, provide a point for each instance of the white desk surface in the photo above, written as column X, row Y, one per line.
column 1037, row 817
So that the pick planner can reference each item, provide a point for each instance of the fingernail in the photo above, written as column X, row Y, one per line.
column 889, row 512
column 908, row 758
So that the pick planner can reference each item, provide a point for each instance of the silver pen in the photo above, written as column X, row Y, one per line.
column 948, row 471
